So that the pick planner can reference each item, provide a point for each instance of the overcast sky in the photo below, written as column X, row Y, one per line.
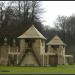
column 55, row 8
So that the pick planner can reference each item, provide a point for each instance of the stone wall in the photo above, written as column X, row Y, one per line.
column 5, row 50
column 39, row 49
column 4, row 54
column 29, row 60
column 60, row 52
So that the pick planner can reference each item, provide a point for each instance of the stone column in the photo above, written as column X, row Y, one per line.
column 64, row 56
column 43, row 59
column 47, row 60
column 17, row 55
column 17, row 58
column 64, row 59
column 22, row 45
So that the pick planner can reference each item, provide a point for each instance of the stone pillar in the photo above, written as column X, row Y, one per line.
column 22, row 45
column 43, row 46
column 49, row 48
column 22, row 49
column 64, row 51
column 64, row 59
column 17, row 58
column 47, row 60
column 43, row 60
column 40, row 44
column 40, row 52
column 17, row 55
column 64, row 55
column 60, row 55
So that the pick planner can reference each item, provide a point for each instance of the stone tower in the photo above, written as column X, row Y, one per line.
column 56, row 48
column 32, row 48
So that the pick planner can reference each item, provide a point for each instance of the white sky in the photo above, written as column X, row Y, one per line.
column 54, row 8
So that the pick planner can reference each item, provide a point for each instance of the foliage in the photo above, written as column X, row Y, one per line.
column 66, row 30
column 17, row 17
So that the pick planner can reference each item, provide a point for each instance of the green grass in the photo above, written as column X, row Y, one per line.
column 64, row 69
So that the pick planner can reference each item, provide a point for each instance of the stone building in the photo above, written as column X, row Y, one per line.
column 32, row 46
column 31, row 51
column 56, row 51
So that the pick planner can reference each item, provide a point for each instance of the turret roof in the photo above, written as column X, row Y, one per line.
column 32, row 32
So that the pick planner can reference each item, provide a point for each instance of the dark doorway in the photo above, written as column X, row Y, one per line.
column 30, row 42
column 53, row 60
column 12, row 59
column 55, row 47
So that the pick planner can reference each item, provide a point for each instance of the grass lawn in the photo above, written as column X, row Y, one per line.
column 64, row 69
